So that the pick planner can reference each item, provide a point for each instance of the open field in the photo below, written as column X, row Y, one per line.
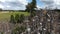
column 6, row 15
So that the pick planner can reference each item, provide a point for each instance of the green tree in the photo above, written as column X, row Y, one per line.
column 33, row 5
column 30, row 7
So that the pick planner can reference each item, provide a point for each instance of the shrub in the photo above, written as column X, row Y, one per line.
column 21, row 19
column 12, row 19
column 17, row 18
column 18, row 30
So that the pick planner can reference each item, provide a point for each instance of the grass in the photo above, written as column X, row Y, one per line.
column 6, row 15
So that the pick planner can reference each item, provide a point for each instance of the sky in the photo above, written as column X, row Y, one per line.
column 21, row 4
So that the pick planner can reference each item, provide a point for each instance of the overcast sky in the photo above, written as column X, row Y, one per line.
column 20, row 4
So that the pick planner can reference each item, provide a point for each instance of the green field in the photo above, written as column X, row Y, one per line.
column 6, row 15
